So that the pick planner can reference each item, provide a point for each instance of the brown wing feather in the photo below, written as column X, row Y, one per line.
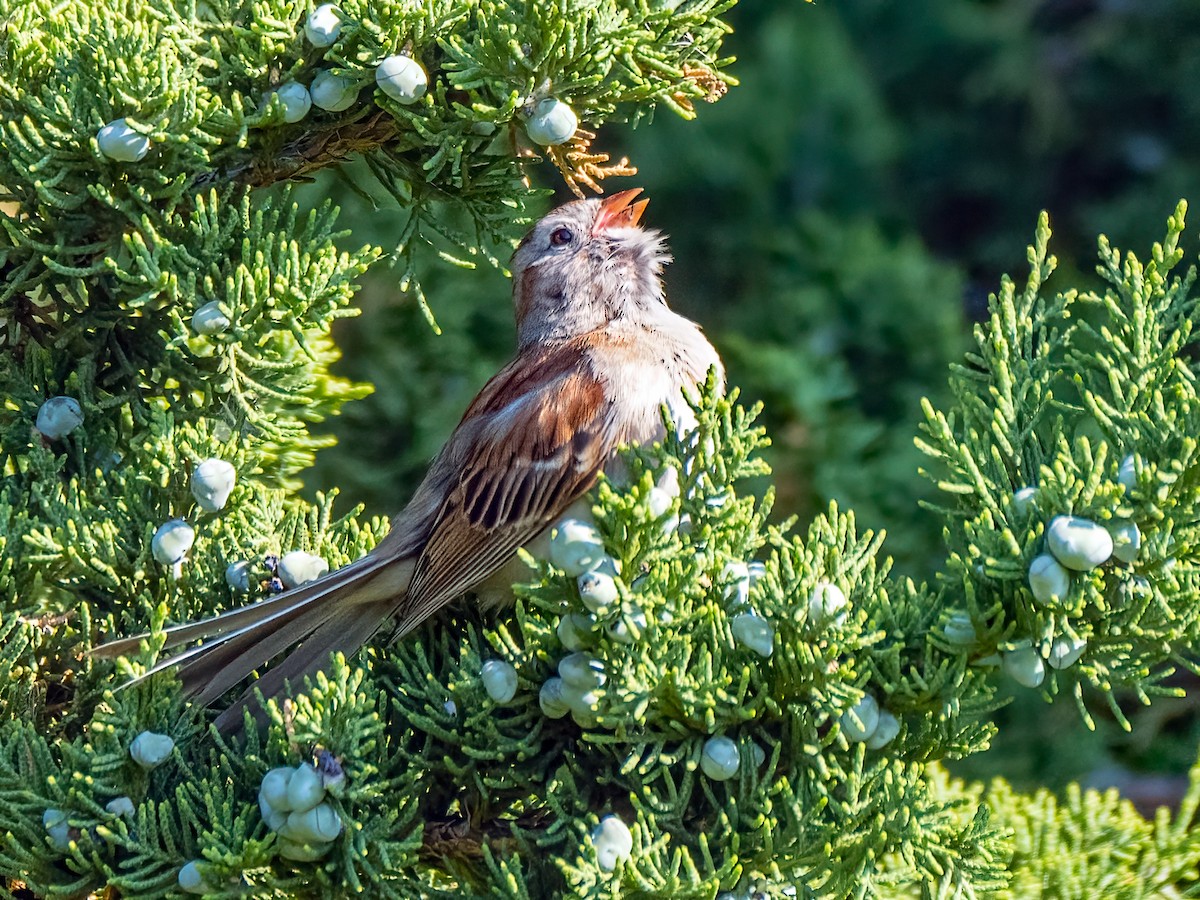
column 538, row 440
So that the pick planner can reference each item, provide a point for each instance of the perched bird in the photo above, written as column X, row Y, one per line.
column 598, row 356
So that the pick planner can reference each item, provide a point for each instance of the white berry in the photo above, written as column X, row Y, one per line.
column 212, row 482
column 826, row 602
column 576, row 547
column 172, row 541
column 1025, row 666
column 668, row 481
column 209, row 319
column 582, row 671
column 1078, row 543
column 1049, row 581
column 275, row 818
column 305, row 788
column 150, row 749
column 736, row 578
column 499, row 680
column 1065, row 652
column 630, row 626
column 597, row 590
column 660, row 501
column 720, row 758
column 323, row 25
column 237, row 576
column 120, row 806
column 274, row 788
column 753, row 631
column 613, row 842
column 1127, row 541
column 551, row 122
column 860, row 721
column 58, row 417
column 190, row 879
column 582, row 704
column 55, row 823
column 333, row 92
column 320, row 824
column 295, row 99
column 552, row 700
column 1023, row 499
column 297, row 568
column 959, row 629
column 401, row 78
column 885, row 731
column 576, row 631
column 758, row 754
column 120, row 142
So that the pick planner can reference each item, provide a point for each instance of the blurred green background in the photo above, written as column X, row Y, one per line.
column 838, row 221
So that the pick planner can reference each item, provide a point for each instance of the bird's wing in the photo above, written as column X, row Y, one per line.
column 531, row 444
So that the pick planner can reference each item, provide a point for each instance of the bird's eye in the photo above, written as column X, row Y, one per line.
column 561, row 236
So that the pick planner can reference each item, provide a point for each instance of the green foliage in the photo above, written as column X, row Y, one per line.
column 1083, row 844
column 1060, row 392
column 445, row 787
column 1089, row 842
column 478, row 774
column 726, row 627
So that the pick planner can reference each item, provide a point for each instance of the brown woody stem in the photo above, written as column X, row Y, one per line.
column 311, row 153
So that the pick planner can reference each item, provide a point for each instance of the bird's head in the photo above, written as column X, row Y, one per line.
column 585, row 264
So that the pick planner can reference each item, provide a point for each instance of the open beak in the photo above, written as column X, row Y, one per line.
column 619, row 211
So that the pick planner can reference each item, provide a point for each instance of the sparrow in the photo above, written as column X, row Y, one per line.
column 599, row 354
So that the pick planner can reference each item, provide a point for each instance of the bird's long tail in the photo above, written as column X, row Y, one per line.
column 339, row 612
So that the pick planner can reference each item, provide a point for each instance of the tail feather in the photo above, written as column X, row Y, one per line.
column 344, row 631
column 186, row 659
column 237, row 619
column 338, row 612
column 210, row 674
column 212, row 668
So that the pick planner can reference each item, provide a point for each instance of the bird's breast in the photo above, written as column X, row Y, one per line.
column 652, row 369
